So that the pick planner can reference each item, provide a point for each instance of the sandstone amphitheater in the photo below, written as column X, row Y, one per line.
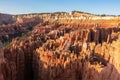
column 59, row 46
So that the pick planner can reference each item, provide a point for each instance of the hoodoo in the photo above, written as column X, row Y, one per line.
column 60, row 46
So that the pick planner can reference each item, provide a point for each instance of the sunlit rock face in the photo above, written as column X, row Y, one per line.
column 61, row 48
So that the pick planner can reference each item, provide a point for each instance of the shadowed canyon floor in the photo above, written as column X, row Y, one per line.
column 60, row 49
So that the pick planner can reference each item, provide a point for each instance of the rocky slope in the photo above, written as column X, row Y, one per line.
column 6, row 19
column 8, row 32
column 63, row 50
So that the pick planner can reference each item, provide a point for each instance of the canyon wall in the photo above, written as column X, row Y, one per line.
column 6, row 19
column 62, row 50
column 8, row 32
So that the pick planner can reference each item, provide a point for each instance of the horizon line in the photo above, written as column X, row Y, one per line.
column 44, row 12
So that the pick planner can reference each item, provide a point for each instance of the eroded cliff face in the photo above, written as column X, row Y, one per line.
column 73, row 57
column 8, row 32
column 6, row 19
column 64, row 51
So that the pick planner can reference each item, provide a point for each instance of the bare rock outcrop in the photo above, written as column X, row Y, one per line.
column 57, row 50
column 6, row 19
column 11, row 31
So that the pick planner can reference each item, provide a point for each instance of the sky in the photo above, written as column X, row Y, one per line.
column 111, row 7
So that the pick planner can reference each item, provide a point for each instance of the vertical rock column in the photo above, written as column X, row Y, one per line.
column 5, row 68
column 1, row 61
column 20, row 64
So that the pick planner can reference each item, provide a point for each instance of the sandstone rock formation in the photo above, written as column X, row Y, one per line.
column 6, row 19
column 11, row 31
column 61, row 49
